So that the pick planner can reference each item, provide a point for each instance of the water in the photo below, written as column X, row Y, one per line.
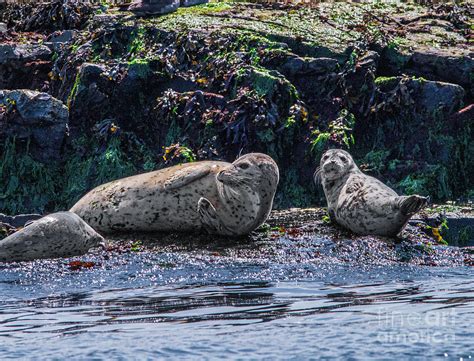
column 187, row 306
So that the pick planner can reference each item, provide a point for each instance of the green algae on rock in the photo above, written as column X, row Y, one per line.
column 219, row 79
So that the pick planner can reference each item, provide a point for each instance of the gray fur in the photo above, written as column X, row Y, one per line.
column 220, row 197
column 61, row 234
column 360, row 202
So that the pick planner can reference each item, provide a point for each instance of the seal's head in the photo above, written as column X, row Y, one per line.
column 335, row 163
column 253, row 170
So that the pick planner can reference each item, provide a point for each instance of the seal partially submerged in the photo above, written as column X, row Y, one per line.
column 61, row 234
column 360, row 202
column 222, row 198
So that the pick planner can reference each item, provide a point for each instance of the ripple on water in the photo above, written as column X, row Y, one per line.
column 164, row 305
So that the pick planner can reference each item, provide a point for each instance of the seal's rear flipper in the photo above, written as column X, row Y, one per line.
column 411, row 204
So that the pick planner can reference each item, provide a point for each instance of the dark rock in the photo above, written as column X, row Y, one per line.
column 49, row 16
column 460, row 231
column 19, row 220
column 186, row 3
column 62, row 36
column 23, row 53
column 359, row 81
column 87, row 95
column 36, row 117
column 435, row 64
column 103, row 20
column 445, row 67
column 153, row 7
column 24, row 65
column 292, row 65
column 59, row 39
column 436, row 96
column 427, row 96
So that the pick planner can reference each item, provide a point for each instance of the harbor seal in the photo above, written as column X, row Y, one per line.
column 61, row 234
column 223, row 198
column 360, row 202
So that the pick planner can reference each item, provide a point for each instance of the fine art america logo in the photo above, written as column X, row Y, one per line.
column 432, row 327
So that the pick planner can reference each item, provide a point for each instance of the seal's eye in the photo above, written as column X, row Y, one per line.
column 344, row 159
column 325, row 157
column 244, row 165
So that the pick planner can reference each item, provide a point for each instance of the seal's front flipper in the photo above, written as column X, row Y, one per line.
column 409, row 205
column 209, row 217
column 183, row 177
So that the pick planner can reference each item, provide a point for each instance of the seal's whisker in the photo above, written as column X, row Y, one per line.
column 317, row 175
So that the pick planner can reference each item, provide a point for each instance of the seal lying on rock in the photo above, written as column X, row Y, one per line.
column 222, row 198
column 61, row 234
column 362, row 203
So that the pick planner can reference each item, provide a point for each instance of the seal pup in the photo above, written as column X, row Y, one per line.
column 223, row 198
column 62, row 234
column 360, row 202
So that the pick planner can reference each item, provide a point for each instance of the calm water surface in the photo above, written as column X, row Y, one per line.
column 144, row 306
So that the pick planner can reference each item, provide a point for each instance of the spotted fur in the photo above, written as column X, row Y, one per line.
column 222, row 198
column 360, row 202
column 61, row 234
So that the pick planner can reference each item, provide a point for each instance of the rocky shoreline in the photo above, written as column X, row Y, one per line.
column 104, row 95
column 89, row 94
column 294, row 235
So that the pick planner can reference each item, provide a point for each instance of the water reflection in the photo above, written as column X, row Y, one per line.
column 232, row 304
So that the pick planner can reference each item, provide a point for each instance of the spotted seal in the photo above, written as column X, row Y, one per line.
column 223, row 198
column 360, row 202
column 61, row 234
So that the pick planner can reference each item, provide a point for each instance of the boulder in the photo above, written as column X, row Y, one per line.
column 36, row 117
column 24, row 65
column 88, row 100
column 292, row 65
column 23, row 53
column 19, row 220
column 428, row 97
column 460, row 226
column 59, row 39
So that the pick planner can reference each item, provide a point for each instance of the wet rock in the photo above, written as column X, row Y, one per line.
column 427, row 96
column 62, row 36
column 457, row 229
column 186, row 3
column 153, row 7
column 23, row 65
column 87, row 99
column 437, row 96
column 103, row 20
column 36, row 118
column 297, row 66
column 445, row 67
column 50, row 16
column 19, row 220
column 11, row 53
column 359, row 80
column 59, row 39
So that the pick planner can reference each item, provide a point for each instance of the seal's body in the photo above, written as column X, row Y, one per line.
column 61, row 234
column 223, row 198
column 360, row 202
